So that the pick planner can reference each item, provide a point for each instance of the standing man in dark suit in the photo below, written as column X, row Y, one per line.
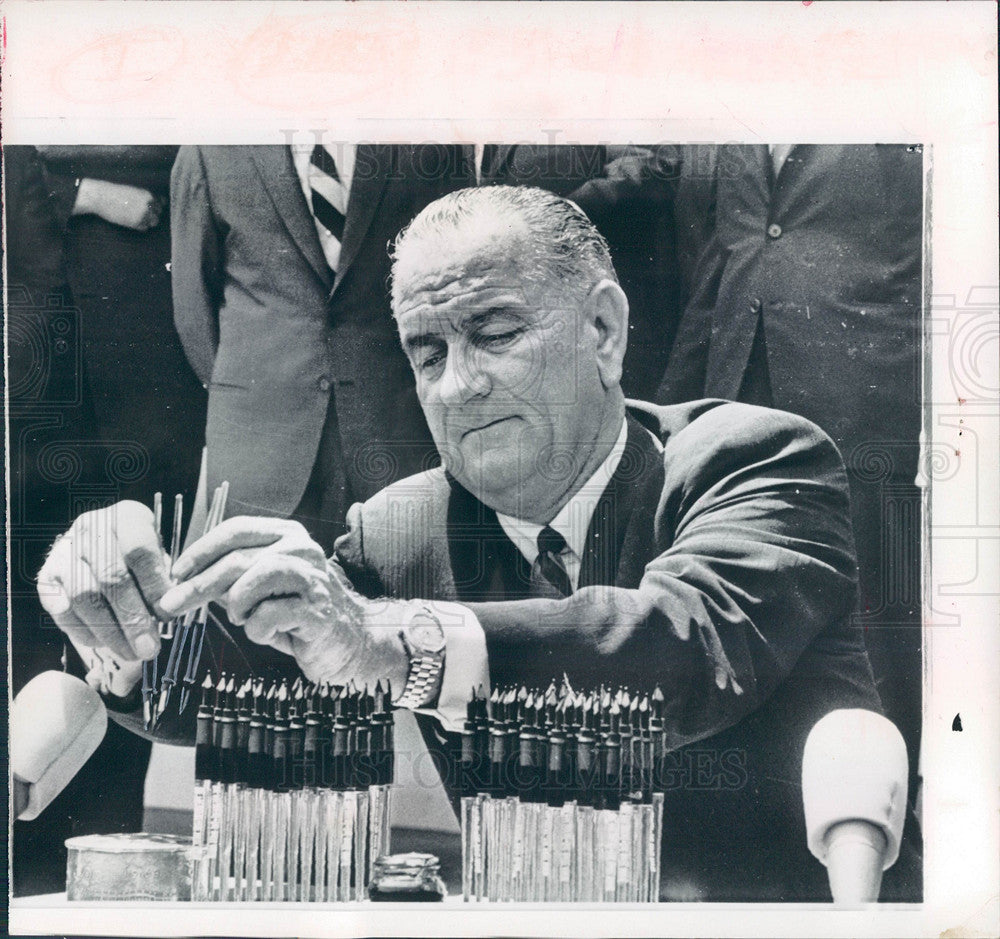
column 111, row 200
column 808, row 298
column 627, row 191
column 280, row 276
column 706, row 547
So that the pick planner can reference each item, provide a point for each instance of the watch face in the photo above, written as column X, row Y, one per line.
column 426, row 636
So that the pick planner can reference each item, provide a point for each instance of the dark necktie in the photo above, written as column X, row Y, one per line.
column 321, row 182
column 550, row 546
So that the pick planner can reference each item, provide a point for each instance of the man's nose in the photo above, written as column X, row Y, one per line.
column 464, row 378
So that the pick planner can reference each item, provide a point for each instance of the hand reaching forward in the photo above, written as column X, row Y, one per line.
column 103, row 578
column 276, row 582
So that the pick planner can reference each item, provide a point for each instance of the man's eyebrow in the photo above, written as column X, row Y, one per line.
column 420, row 340
column 482, row 317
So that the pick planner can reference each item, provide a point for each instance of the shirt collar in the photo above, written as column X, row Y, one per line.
column 573, row 519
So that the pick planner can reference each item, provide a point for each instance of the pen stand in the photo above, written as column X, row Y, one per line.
column 527, row 852
column 313, row 845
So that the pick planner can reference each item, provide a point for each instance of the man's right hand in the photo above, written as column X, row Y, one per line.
column 119, row 204
column 103, row 579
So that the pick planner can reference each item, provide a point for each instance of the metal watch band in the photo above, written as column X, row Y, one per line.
column 425, row 667
column 421, row 681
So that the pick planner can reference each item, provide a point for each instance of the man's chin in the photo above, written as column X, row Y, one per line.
column 491, row 479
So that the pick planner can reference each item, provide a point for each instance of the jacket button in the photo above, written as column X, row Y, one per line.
column 755, row 305
column 324, row 384
column 773, row 231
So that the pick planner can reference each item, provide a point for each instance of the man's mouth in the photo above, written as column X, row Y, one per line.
column 474, row 430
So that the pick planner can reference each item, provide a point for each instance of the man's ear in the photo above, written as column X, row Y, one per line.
column 606, row 311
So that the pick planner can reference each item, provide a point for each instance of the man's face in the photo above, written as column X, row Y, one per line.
column 505, row 370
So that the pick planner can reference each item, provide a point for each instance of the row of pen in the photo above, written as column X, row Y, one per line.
column 292, row 790
column 559, row 800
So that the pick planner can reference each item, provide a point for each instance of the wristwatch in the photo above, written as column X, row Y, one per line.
column 423, row 639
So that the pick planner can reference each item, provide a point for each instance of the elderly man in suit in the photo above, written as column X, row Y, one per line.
column 705, row 547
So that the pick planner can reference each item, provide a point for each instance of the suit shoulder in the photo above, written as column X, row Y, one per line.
column 421, row 492
column 703, row 429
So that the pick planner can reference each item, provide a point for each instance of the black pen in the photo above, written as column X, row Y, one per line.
column 611, row 745
column 658, row 740
column 296, row 733
column 586, row 753
column 530, row 765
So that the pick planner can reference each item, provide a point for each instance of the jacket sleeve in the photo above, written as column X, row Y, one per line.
column 631, row 176
column 759, row 561
column 196, row 262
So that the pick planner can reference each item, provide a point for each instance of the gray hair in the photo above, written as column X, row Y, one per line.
column 562, row 242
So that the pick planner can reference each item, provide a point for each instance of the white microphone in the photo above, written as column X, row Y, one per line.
column 56, row 723
column 854, row 787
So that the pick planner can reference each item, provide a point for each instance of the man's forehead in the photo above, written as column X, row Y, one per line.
column 464, row 280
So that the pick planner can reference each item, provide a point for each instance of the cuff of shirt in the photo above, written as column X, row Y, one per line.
column 465, row 664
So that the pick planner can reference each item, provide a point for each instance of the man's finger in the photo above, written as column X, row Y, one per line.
column 268, row 622
column 55, row 602
column 121, row 592
column 210, row 584
column 230, row 535
column 139, row 546
column 91, row 607
column 54, row 582
column 274, row 576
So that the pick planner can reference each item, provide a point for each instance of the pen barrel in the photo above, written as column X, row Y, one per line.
column 311, row 756
column 586, row 770
column 281, row 768
column 296, row 748
column 364, row 761
column 227, row 750
column 467, row 768
column 529, row 771
column 498, row 763
column 611, row 773
column 341, row 757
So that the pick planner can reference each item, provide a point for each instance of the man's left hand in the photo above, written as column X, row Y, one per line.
column 276, row 582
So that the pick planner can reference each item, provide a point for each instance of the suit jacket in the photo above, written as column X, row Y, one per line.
column 827, row 258
column 627, row 192
column 722, row 569
column 272, row 333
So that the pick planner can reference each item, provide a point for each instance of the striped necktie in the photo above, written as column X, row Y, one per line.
column 329, row 197
column 549, row 564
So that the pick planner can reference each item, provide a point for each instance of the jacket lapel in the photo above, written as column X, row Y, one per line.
column 602, row 552
column 281, row 183
column 372, row 166
column 485, row 563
